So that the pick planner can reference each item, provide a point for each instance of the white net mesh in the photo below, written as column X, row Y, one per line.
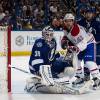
column 3, row 59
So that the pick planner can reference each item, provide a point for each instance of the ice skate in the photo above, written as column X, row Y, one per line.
column 96, row 83
column 78, row 82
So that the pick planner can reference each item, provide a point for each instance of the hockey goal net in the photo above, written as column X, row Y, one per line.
column 5, row 59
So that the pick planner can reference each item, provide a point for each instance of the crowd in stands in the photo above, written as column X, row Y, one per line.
column 35, row 14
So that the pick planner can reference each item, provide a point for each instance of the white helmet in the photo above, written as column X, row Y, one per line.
column 47, row 33
column 69, row 16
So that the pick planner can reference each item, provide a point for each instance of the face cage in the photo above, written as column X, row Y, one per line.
column 48, row 36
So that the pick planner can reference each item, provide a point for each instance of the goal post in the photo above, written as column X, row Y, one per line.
column 5, row 59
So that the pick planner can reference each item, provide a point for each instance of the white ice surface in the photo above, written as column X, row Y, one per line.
column 18, row 84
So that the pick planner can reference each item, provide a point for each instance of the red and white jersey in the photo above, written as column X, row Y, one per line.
column 79, row 37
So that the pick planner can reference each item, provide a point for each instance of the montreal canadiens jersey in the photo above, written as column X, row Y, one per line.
column 42, row 53
column 79, row 37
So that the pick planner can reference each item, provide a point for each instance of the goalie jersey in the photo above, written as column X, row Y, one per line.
column 42, row 54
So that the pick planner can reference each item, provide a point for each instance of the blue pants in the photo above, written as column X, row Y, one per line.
column 89, row 53
column 98, row 54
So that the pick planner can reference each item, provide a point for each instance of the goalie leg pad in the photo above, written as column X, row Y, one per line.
column 45, row 71
column 55, row 89
column 86, row 87
column 78, row 91
column 58, row 88
column 30, row 84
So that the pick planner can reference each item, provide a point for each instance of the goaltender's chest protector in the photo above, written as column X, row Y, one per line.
column 76, row 35
column 48, row 51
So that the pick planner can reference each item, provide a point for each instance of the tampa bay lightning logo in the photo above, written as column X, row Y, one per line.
column 39, row 44
column 19, row 40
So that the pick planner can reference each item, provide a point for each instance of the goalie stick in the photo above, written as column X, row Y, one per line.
column 24, row 71
column 64, row 88
column 46, row 80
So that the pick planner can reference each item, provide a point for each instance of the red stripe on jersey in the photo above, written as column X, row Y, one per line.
column 75, row 30
column 93, row 70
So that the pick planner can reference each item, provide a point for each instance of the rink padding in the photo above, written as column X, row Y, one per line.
column 28, row 53
column 21, row 53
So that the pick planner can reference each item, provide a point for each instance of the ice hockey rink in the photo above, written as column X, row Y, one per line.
column 18, row 84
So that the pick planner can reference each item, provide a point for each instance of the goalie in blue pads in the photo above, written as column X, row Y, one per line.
column 54, row 71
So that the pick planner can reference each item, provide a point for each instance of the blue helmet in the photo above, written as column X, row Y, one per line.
column 91, row 10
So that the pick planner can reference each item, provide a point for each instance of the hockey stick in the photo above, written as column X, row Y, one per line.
column 32, row 75
column 64, row 89
column 24, row 71
column 73, row 57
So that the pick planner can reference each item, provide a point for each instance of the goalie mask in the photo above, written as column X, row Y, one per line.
column 48, row 33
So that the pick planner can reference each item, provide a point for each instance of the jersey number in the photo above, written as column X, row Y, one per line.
column 37, row 53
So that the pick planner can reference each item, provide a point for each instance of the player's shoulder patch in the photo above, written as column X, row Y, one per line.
column 39, row 43
column 75, row 31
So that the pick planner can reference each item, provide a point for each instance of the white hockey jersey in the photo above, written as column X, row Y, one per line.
column 79, row 37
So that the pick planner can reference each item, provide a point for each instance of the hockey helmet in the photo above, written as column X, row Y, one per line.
column 69, row 16
column 47, row 33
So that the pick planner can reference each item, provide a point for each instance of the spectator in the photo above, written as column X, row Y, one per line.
column 19, row 23
column 57, row 23
column 53, row 9
column 26, row 24
column 38, row 22
column 2, row 14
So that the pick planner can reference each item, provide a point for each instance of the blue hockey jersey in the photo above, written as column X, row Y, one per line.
column 42, row 54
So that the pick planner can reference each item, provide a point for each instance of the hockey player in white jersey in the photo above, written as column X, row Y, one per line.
column 85, row 45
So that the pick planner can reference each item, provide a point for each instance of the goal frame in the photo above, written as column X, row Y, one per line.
column 5, row 73
column 9, row 58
